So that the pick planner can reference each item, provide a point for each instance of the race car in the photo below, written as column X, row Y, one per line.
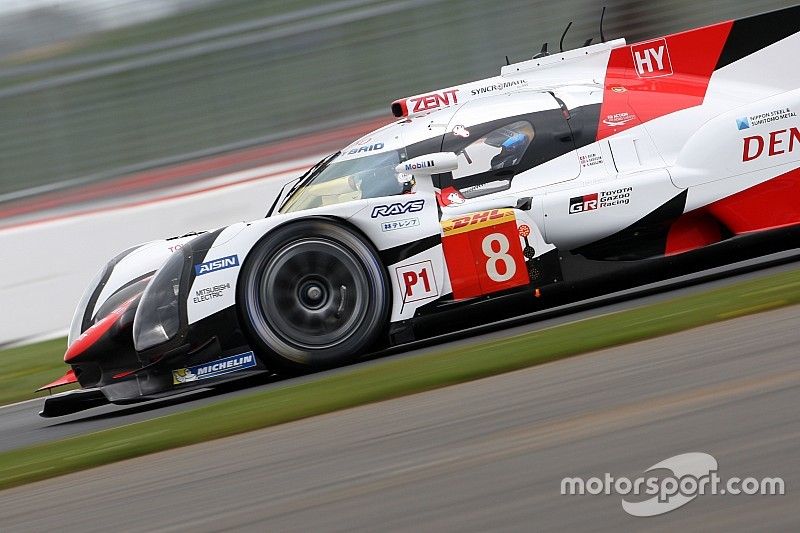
column 574, row 173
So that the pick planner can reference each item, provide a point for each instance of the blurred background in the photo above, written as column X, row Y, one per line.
column 92, row 89
column 125, row 121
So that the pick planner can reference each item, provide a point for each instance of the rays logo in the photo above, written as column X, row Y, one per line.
column 399, row 208
column 217, row 264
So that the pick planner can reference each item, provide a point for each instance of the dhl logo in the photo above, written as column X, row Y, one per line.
column 473, row 221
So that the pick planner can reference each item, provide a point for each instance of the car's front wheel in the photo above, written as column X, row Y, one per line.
column 313, row 294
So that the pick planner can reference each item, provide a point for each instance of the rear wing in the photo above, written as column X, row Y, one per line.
column 571, row 67
column 695, row 53
column 658, row 77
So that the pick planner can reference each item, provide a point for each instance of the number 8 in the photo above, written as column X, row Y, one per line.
column 495, row 257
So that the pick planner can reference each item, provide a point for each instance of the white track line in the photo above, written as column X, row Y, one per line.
column 22, row 402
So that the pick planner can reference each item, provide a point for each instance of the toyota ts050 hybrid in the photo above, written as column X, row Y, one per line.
column 562, row 173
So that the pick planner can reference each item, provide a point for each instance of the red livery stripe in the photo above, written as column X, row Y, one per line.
column 654, row 78
column 769, row 205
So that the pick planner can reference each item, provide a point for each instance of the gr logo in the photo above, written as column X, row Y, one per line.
column 651, row 59
column 398, row 208
column 579, row 204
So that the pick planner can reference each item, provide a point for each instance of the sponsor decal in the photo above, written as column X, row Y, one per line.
column 175, row 248
column 434, row 101
column 579, row 204
column 416, row 166
column 217, row 264
column 451, row 195
column 760, row 119
column 417, row 281
column 473, row 221
column 499, row 87
column 460, row 131
column 455, row 197
column 484, row 254
column 366, row 148
column 590, row 202
column 398, row 208
column 591, row 160
column 670, row 484
column 524, row 230
column 210, row 293
column 213, row 369
column 618, row 119
column 399, row 224
column 651, row 59
column 773, row 144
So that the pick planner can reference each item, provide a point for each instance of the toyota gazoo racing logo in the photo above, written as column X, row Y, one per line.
column 398, row 208
column 590, row 202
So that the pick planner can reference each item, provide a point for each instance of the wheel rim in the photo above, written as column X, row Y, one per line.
column 312, row 293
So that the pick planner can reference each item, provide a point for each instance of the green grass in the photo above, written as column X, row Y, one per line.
column 27, row 368
column 393, row 378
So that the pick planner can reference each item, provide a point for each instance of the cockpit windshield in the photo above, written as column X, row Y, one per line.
column 344, row 179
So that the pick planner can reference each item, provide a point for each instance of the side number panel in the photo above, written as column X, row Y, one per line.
column 483, row 253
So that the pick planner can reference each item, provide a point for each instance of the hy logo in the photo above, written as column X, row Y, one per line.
column 651, row 59
column 743, row 123
column 217, row 264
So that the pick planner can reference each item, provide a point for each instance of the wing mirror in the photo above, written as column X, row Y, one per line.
column 426, row 165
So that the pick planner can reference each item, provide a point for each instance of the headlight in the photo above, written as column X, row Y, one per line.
column 158, row 319
column 76, row 327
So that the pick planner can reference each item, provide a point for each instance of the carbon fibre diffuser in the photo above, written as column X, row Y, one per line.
column 72, row 402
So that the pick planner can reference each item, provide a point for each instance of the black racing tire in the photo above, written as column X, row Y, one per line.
column 312, row 294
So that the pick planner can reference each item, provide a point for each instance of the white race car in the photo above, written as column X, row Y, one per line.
column 570, row 173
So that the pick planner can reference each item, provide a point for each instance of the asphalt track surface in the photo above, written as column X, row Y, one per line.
column 484, row 455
